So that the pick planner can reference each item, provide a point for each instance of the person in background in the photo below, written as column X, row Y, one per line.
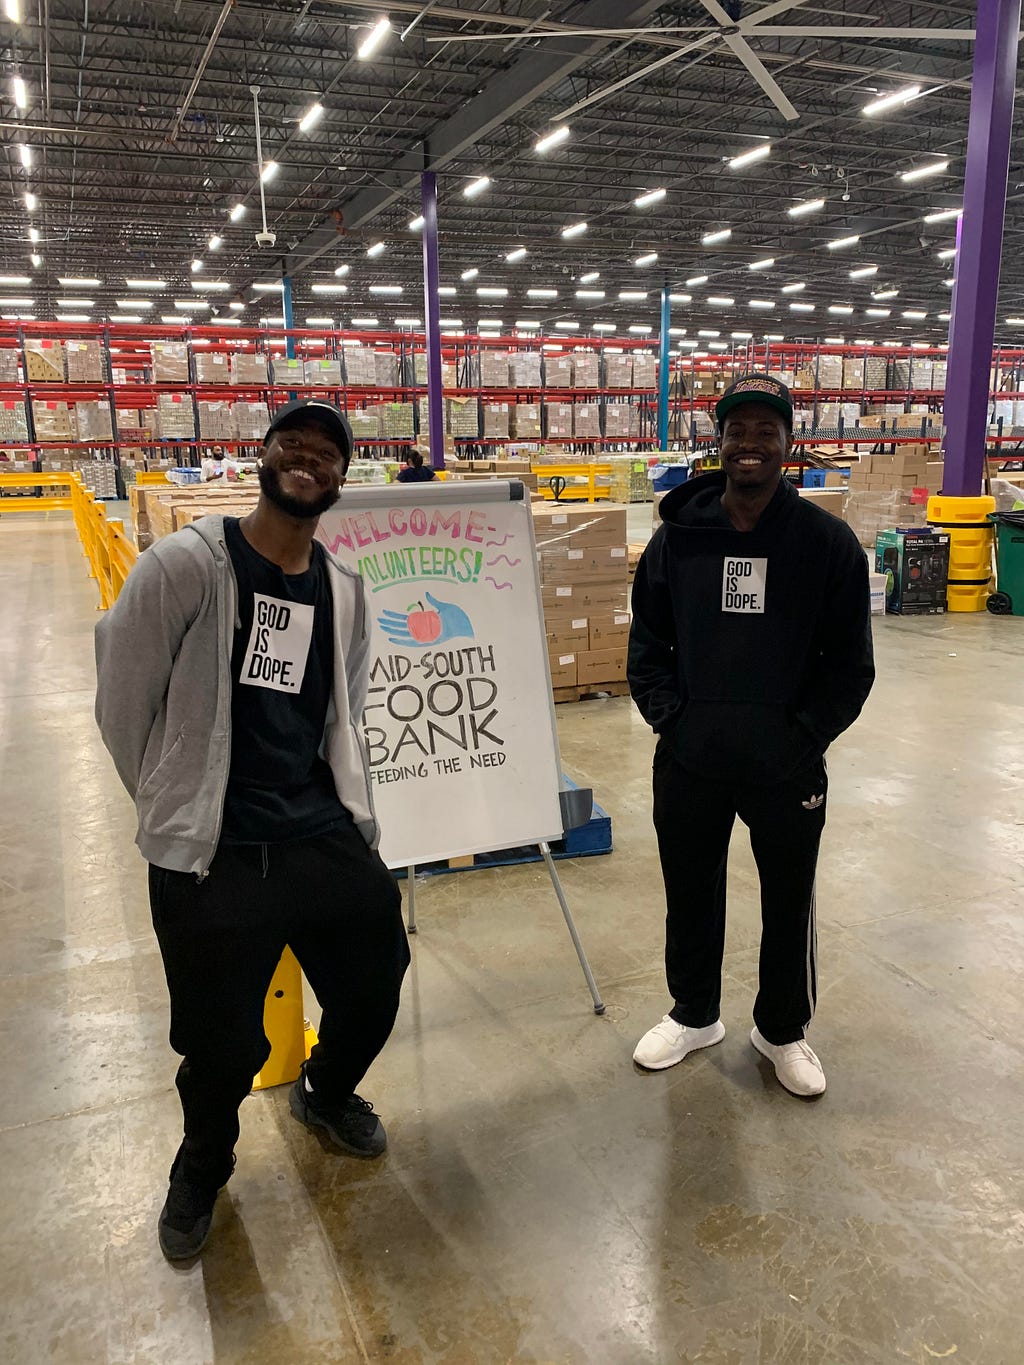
column 750, row 652
column 414, row 470
column 233, row 671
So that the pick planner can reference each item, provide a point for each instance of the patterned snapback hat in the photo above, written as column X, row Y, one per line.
column 756, row 388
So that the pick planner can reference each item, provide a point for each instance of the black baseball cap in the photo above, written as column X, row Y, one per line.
column 756, row 388
column 315, row 410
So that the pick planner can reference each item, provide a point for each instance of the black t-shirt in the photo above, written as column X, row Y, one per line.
column 282, row 671
column 416, row 474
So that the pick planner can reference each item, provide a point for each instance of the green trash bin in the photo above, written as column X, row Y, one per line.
column 1008, row 599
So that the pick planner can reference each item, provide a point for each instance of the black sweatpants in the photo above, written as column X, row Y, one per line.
column 694, row 817
column 332, row 900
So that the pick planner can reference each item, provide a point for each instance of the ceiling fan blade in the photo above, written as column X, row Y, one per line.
column 741, row 48
column 801, row 31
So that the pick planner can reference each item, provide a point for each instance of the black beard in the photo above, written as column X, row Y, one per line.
column 270, row 486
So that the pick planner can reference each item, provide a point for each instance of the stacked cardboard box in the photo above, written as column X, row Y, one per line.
column 830, row 371
column 526, row 421
column 496, row 421
column 524, row 369
column 583, row 561
column 84, row 362
column 365, row 423
column 170, row 362
column 289, row 372
column 92, row 421
column 558, row 421
column 10, row 368
column 249, row 368
column 323, row 373
column 618, row 371
column 177, row 420
column 251, row 420
column 216, row 421
column 396, row 421
column 645, row 371
column 558, row 371
column 586, row 371
column 54, row 421
column 385, row 369
column 463, row 417
column 44, row 360
column 494, row 369
column 891, row 473
column 853, row 372
column 586, row 420
column 621, row 421
column 100, row 476
column 360, row 366
column 212, row 367
column 419, row 367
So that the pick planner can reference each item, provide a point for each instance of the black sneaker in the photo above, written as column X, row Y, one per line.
column 351, row 1124
column 186, row 1215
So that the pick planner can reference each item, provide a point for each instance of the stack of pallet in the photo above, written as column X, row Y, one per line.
column 584, row 571
column 156, row 512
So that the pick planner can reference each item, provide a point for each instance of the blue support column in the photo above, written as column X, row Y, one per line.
column 432, row 319
column 663, row 375
column 289, row 315
column 980, row 239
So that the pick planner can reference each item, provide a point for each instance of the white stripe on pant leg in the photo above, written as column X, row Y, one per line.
column 812, row 952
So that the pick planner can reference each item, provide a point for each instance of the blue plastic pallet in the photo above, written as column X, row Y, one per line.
column 591, row 839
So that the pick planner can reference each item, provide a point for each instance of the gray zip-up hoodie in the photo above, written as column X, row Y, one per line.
column 163, row 701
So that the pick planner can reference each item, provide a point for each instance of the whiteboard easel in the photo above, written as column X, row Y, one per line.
column 460, row 721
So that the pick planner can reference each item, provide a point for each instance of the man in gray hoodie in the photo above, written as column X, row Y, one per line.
column 232, row 678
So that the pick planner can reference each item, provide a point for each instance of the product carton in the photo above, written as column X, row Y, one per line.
column 568, row 634
column 557, row 524
column 916, row 565
column 601, row 666
column 609, row 630
column 563, row 669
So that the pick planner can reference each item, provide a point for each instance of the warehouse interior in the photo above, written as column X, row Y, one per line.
column 636, row 203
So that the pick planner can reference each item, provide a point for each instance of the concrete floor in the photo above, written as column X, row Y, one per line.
column 541, row 1199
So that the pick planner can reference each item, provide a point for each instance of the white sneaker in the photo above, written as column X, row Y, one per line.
column 796, row 1065
column 668, row 1042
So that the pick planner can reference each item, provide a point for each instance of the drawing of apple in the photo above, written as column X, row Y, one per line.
column 424, row 625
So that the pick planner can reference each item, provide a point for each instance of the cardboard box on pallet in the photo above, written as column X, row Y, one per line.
column 44, row 361
column 84, row 362
column 567, row 634
column 584, row 599
column 563, row 669
column 582, row 564
column 526, row 421
column 916, row 565
column 586, row 372
column 609, row 630
column 170, row 362
column 601, row 666
column 558, row 420
column 587, row 421
column 212, row 367
column 249, row 368
column 591, row 524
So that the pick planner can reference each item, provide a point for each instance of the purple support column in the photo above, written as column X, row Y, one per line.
column 980, row 239
column 432, row 319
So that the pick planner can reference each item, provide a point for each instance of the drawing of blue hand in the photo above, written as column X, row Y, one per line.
column 420, row 626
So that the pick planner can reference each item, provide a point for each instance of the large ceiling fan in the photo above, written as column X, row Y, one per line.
column 732, row 28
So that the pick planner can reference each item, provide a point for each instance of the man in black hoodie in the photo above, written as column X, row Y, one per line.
column 750, row 652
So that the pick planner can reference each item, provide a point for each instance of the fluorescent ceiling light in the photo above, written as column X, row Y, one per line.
column 946, row 255
column 270, row 169
column 897, row 97
column 73, row 317
column 373, row 39
column 12, row 10
column 718, row 345
column 940, row 215
column 263, row 287
column 190, row 305
column 705, row 333
column 950, row 282
column 920, row 172
column 78, row 282
column 642, row 201
column 237, row 305
column 145, row 284
column 25, row 152
column 447, row 291
column 364, row 322
column 885, row 294
column 677, row 331
column 647, row 259
column 490, row 322
column 516, row 254
column 18, row 317
column 36, row 260
column 19, row 93
column 385, row 288
column 134, row 303
column 542, row 293
column 590, row 277
column 377, row 249
column 476, row 187
column 211, row 286
column 319, row 322
column 840, row 309
column 741, row 336
column 680, row 298
column 526, row 324
column 61, row 303
column 838, row 243
column 765, row 264
column 450, row 322
column 553, row 139
column 328, row 288
column 33, row 234
column 805, row 206
column 215, row 243
column 719, row 235
column 470, row 274
column 720, row 301
column 127, row 317
column 774, row 336
column 914, row 315
column 31, row 201
column 605, row 327
column 567, row 326
column 639, row 330
column 801, row 307
column 574, row 230
column 766, row 304
column 944, row 317
column 416, row 224
column 15, row 279
column 313, row 115
column 633, row 295
column 489, row 291
column 862, row 272
column 229, row 322
column 175, row 318
column 342, row 270
column 31, row 303
column 694, row 280
column 197, row 265
column 237, row 212
column 736, row 163
column 835, row 341
column 590, row 293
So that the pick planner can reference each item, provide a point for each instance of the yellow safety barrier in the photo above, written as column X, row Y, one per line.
column 55, row 501
column 970, row 548
column 573, row 492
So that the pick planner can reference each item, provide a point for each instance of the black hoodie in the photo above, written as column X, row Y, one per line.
column 750, row 652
